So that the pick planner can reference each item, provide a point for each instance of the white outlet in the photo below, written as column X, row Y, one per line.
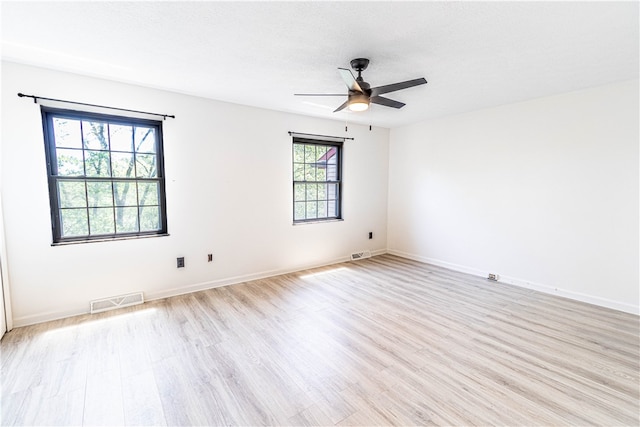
column 493, row 276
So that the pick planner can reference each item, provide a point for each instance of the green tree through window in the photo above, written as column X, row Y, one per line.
column 106, row 175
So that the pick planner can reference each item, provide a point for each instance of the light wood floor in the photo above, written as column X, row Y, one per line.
column 375, row 342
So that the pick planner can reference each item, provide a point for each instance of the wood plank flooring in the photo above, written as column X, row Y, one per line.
column 383, row 341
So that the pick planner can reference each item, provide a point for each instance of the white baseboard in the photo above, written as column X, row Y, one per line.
column 234, row 280
column 552, row 290
column 47, row 317
column 150, row 296
column 449, row 265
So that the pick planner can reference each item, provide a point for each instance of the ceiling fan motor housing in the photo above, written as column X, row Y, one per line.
column 359, row 64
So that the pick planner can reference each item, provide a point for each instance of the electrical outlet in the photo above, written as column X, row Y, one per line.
column 493, row 276
column 180, row 262
column 370, row 235
column 210, row 258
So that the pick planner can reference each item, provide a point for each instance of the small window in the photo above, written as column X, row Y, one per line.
column 316, row 180
column 106, row 176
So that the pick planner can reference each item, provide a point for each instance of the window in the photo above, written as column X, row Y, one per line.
column 106, row 177
column 316, row 180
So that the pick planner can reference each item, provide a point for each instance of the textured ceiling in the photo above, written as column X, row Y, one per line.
column 473, row 54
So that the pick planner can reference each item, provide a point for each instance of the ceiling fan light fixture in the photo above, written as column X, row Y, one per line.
column 358, row 103
column 359, row 106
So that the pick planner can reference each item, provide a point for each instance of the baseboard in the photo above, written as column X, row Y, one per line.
column 439, row 263
column 47, row 317
column 552, row 290
column 150, row 296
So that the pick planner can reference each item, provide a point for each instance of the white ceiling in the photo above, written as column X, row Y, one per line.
column 473, row 54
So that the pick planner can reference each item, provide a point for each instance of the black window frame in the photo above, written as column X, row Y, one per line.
column 48, row 114
column 339, row 145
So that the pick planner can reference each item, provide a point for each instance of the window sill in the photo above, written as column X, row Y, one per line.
column 108, row 239
column 319, row 221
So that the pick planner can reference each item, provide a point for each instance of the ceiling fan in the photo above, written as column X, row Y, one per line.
column 361, row 94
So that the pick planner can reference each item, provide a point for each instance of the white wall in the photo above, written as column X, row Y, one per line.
column 229, row 191
column 544, row 193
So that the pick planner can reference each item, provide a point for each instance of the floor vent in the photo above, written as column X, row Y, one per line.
column 112, row 303
column 360, row 255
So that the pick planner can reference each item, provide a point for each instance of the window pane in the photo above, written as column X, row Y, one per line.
column 149, row 218
column 300, row 193
column 148, row 193
column 121, row 138
column 95, row 135
column 100, row 194
column 67, row 133
column 322, row 191
column 70, row 162
column 72, row 194
column 74, row 222
column 298, row 153
column 101, row 221
column 312, row 208
column 332, row 169
column 322, row 209
column 321, row 150
column 299, row 211
column 321, row 173
column 97, row 163
column 309, row 153
column 310, row 172
column 126, row 220
column 125, row 193
column 298, row 172
column 146, row 166
column 312, row 192
column 122, row 164
column 331, row 157
column 145, row 141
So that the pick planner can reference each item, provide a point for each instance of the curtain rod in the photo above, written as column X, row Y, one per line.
column 291, row 133
column 35, row 100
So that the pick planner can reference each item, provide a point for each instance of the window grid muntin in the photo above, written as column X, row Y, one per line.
column 330, row 200
column 49, row 114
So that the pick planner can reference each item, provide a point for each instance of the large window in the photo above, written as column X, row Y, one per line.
column 106, row 177
column 316, row 180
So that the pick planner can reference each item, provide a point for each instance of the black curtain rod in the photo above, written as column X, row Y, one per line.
column 35, row 100
column 291, row 133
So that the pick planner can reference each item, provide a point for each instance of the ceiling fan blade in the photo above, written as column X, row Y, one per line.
column 342, row 107
column 351, row 82
column 397, row 86
column 386, row 102
column 319, row 94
